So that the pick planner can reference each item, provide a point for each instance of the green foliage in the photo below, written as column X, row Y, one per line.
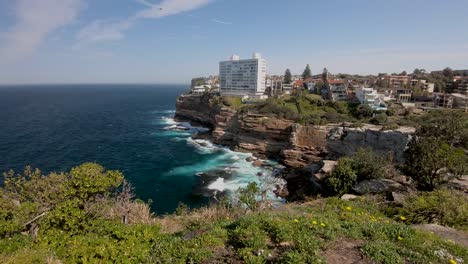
column 287, row 77
column 343, row 177
column 365, row 164
column 307, row 72
column 444, row 207
column 294, row 233
column 450, row 126
column 431, row 162
column 390, row 126
column 247, row 196
column 363, row 111
column 370, row 165
column 379, row 119
column 233, row 102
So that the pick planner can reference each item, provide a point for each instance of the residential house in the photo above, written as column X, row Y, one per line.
column 370, row 97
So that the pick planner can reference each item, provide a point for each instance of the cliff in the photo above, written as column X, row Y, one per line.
column 290, row 143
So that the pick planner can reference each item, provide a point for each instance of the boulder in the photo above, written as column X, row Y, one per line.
column 349, row 197
column 377, row 186
column 327, row 167
column 397, row 197
column 457, row 236
column 257, row 163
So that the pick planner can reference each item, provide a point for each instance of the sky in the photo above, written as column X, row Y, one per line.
column 171, row 41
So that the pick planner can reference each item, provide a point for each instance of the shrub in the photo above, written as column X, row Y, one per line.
column 390, row 126
column 233, row 102
column 369, row 165
column 432, row 162
column 445, row 207
column 379, row 119
column 390, row 111
column 343, row 177
column 247, row 196
column 363, row 111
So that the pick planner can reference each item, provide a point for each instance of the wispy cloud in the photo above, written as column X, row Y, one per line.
column 221, row 21
column 379, row 50
column 34, row 21
column 101, row 31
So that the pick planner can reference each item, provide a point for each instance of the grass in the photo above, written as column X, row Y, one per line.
column 295, row 233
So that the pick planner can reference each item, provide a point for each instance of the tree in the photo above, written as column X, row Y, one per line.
column 363, row 111
column 379, row 119
column 248, row 195
column 450, row 126
column 287, row 77
column 307, row 72
column 325, row 76
column 403, row 73
column 343, row 177
column 370, row 165
column 431, row 162
column 447, row 72
column 417, row 71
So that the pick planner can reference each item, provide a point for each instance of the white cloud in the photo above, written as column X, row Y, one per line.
column 221, row 21
column 170, row 7
column 35, row 20
column 101, row 31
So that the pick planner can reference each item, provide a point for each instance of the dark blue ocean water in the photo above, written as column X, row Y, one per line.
column 123, row 127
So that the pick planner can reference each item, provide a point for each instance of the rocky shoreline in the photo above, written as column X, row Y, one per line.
column 306, row 151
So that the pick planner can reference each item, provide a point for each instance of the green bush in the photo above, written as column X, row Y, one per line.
column 379, row 119
column 431, row 162
column 390, row 126
column 343, row 177
column 233, row 102
column 363, row 111
column 445, row 207
column 369, row 165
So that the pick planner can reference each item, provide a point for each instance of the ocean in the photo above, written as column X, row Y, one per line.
column 123, row 127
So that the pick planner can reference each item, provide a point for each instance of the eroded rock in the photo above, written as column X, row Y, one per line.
column 377, row 186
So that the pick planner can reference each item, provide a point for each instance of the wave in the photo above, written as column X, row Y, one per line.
column 164, row 112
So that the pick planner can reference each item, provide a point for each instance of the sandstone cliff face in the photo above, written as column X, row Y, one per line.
column 344, row 141
column 196, row 108
column 290, row 143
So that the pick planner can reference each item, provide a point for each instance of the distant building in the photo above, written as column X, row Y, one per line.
column 339, row 90
column 243, row 77
column 396, row 81
column 403, row 95
column 200, row 89
column 458, row 84
column 370, row 97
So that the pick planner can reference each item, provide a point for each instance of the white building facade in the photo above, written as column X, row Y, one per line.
column 370, row 97
column 244, row 78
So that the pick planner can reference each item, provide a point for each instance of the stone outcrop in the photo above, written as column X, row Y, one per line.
column 292, row 144
column 198, row 109
column 378, row 186
column 344, row 141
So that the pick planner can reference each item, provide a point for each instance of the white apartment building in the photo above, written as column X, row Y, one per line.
column 244, row 78
column 370, row 97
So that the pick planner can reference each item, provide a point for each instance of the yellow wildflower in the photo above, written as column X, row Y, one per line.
column 349, row 208
column 314, row 222
column 322, row 225
column 452, row 261
column 400, row 238
column 296, row 221
column 227, row 218
column 402, row 218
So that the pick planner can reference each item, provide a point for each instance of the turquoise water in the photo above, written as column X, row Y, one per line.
column 124, row 127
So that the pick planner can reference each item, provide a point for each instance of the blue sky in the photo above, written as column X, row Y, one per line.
column 170, row 41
